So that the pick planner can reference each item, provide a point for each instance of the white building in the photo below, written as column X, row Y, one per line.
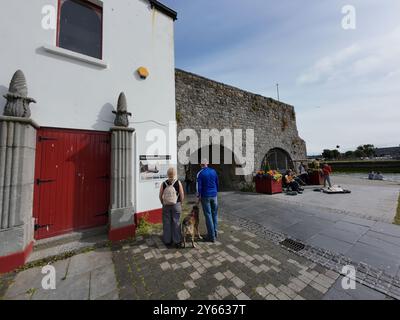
column 77, row 57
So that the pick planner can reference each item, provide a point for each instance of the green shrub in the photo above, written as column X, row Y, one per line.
column 178, row 117
column 145, row 228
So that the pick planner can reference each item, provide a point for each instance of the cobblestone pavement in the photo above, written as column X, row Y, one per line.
column 239, row 266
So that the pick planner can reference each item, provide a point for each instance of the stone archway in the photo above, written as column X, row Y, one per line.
column 278, row 159
column 226, row 168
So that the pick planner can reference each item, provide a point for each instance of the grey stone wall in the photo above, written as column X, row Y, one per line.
column 205, row 104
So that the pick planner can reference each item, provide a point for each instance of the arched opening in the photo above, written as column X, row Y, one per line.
column 225, row 167
column 278, row 159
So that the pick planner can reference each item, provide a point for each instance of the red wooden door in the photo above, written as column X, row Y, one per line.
column 72, row 181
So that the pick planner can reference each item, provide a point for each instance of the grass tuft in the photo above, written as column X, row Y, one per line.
column 397, row 218
column 146, row 228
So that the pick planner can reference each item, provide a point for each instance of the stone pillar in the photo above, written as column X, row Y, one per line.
column 122, row 223
column 17, row 174
column 17, row 169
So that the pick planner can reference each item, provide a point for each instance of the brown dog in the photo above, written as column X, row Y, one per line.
column 190, row 226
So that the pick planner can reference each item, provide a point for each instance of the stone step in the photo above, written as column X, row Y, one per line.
column 70, row 237
column 76, row 242
column 75, row 247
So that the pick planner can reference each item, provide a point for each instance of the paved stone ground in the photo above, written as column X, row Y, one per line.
column 360, row 293
column 373, row 200
column 362, row 240
column 85, row 276
column 239, row 266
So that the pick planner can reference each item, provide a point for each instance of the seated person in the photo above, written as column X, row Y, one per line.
column 378, row 176
column 292, row 183
column 303, row 173
column 371, row 175
column 297, row 178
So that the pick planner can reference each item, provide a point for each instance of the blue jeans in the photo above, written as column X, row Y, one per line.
column 210, row 209
column 327, row 179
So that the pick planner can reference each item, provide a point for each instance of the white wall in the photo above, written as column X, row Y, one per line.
column 78, row 95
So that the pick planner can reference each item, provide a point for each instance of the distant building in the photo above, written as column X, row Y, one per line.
column 392, row 152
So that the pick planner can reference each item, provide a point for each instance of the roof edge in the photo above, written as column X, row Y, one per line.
column 164, row 9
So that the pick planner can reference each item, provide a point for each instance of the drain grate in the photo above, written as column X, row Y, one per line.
column 293, row 245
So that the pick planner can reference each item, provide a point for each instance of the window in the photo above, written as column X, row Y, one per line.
column 80, row 27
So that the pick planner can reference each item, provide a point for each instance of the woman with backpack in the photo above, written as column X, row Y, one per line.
column 171, row 197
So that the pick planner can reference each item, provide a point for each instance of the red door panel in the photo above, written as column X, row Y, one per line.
column 72, row 189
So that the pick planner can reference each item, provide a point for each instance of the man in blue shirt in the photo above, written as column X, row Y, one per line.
column 207, row 192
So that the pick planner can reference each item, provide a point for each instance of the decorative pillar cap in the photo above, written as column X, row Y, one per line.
column 122, row 114
column 18, row 87
column 17, row 97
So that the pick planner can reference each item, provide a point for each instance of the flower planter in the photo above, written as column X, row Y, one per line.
column 267, row 185
column 316, row 178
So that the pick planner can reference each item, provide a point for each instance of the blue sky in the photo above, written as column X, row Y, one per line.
column 344, row 84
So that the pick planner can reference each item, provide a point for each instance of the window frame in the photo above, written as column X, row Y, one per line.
column 92, row 5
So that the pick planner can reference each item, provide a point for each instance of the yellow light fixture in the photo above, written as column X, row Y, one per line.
column 143, row 72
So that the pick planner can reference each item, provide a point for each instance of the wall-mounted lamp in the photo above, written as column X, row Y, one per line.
column 143, row 72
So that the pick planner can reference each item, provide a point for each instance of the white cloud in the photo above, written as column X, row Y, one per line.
column 328, row 66
column 376, row 56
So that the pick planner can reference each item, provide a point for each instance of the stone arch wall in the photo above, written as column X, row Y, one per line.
column 226, row 171
column 278, row 159
column 205, row 104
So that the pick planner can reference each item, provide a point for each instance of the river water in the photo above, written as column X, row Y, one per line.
column 395, row 177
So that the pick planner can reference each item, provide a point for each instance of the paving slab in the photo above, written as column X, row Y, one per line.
column 308, row 228
column 331, row 244
column 103, row 282
column 85, row 276
column 75, row 288
column 342, row 235
column 89, row 261
column 359, row 221
column 388, row 229
column 386, row 247
column 385, row 237
column 375, row 257
column 361, row 292
column 31, row 280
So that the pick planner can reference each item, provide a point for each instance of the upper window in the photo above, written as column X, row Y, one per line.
column 80, row 27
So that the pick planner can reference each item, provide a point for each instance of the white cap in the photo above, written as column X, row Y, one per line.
column 204, row 161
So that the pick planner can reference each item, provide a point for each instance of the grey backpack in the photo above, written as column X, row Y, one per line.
column 170, row 196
